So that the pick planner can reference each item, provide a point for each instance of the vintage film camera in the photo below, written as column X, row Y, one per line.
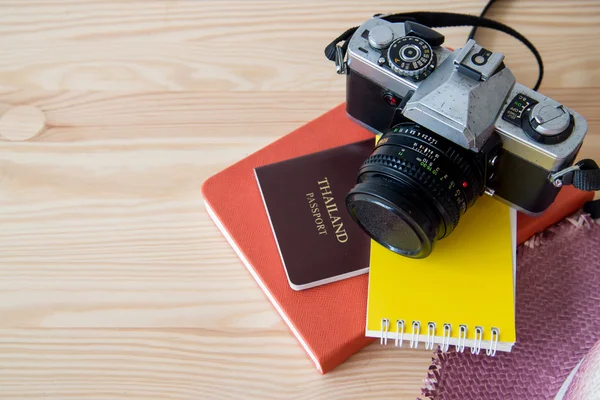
column 454, row 125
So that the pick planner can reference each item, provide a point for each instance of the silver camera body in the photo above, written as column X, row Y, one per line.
column 401, row 72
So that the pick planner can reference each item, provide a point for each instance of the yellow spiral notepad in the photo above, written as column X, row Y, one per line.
column 461, row 295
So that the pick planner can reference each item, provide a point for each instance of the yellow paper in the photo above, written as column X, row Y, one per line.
column 467, row 280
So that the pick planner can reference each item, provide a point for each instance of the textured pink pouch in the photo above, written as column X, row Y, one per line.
column 557, row 321
column 586, row 381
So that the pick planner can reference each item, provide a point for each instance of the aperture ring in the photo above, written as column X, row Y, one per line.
column 445, row 147
column 468, row 172
column 435, row 162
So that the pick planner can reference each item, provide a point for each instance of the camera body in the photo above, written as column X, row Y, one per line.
column 400, row 72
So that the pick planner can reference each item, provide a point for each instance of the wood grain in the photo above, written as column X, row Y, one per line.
column 191, row 364
column 257, row 45
column 114, row 283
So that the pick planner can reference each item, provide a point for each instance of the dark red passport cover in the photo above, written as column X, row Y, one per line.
column 328, row 321
column 304, row 197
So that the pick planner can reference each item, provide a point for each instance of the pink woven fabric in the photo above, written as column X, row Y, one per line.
column 557, row 321
column 586, row 383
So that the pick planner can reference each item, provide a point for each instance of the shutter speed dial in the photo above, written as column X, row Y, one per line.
column 411, row 56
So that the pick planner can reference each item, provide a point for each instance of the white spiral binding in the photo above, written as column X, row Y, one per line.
column 446, row 336
column 416, row 328
column 430, row 336
column 476, row 349
column 494, row 346
column 462, row 338
column 385, row 327
column 399, row 332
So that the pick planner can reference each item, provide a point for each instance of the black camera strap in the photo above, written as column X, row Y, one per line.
column 483, row 12
column 334, row 51
column 588, row 176
column 584, row 175
column 592, row 208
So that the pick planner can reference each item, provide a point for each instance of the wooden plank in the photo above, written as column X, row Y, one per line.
column 114, row 283
column 256, row 46
column 190, row 364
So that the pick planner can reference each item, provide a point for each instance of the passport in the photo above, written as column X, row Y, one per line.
column 329, row 320
column 304, row 198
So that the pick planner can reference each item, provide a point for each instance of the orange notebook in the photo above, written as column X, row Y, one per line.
column 329, row 320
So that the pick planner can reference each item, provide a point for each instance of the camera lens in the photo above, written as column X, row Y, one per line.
column 391, row 220
column 414, row 188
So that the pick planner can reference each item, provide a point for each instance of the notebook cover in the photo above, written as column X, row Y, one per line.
column 318, row 241
column 467, row 280
column 558, row 322
column 328, row 321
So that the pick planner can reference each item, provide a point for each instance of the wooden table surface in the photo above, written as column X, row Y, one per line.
column 114, row 282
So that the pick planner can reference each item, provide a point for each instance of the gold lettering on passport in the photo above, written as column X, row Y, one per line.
column 332, row 209
column 316, row 213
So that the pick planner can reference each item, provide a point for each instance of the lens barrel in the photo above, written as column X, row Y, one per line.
column 414, row 188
